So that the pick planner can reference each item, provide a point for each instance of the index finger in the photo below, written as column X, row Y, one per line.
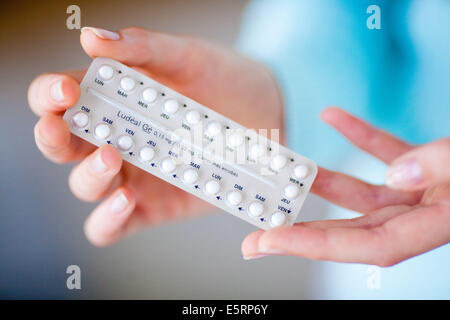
column 54, row 92
column 378, row 143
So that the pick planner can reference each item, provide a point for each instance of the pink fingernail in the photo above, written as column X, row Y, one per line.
column 102, row 33
column 56, row 91
column 274, row 252
column 404, row 174
column 98, row 165
column 119, row 203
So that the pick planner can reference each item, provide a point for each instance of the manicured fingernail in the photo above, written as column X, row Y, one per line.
column 274, row 252
column 98, row 165
column 56, row 91
column 102, row 33
column 119, row 203
column 404, row 174
column 256, row 256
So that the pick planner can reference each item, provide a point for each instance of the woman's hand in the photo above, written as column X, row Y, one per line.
column 409, row 216
column 235, row 86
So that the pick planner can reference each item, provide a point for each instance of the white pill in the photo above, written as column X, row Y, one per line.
column 278, row 162
column 190, row 176
column 277, row 219
column 149, row 95
column 127, row 83
column 80, row 119
column 291, row 191
column 171, row 106
column 193, row 117
column 212, row 187
column 256, row 151
column 106, row 72
column 168, row 165
column 234, row 140
column 301, row 171
column 124, row 142
column 214, row 128
column 234, row 198
column 102, row 131
column 255, row 209
column 146, row 154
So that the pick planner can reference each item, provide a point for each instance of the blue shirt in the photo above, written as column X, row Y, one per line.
column 397, row 78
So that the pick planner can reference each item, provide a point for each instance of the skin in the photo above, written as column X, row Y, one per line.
column 398, row 222
column 211, row 75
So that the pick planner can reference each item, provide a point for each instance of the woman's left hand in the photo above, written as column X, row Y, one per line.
column 407, row 217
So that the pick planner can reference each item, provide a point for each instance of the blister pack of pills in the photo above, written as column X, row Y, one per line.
column 173, row 137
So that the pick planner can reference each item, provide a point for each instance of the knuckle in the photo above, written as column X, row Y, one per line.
column 33, row 93
column 79, row 189
column 383, row 255
column 84, row 196
column 96, row 238
column 54, row 153
column 97, row 242
column 382, row 260
column 49, row 153
column 30, row 91
column 102, row 238
column 385, row 261
column 56, row 159
column 135, row 31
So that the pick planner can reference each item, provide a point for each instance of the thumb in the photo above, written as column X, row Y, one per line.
column 158, row 53
column 422, row 167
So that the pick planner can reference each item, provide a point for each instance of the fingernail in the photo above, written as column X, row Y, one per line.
column 102, row 33
column 256, row 256
column 119, row 203
column 273, row 252
column 404, row 174
column 56, row 91
column 98, row 165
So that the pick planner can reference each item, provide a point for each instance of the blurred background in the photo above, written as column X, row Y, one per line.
column 41, row 222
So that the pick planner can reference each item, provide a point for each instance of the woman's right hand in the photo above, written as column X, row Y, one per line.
column 219, row 78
